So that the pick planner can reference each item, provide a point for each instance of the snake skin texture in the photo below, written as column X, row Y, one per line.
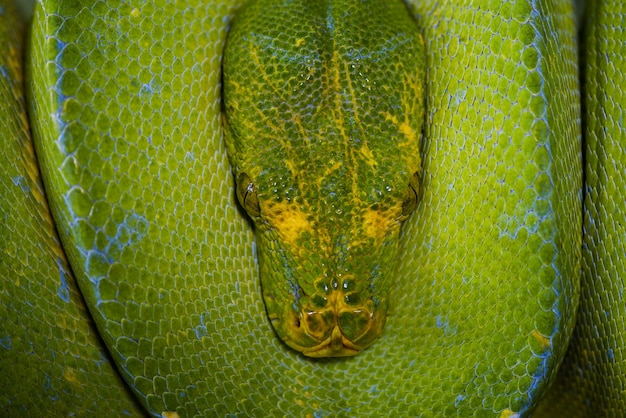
column 592, row 379
column 125, row 109
column 332, row 158
column 50, row 351
column 502, row 197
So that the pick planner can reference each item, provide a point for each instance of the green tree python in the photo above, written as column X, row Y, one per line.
column 132, row 282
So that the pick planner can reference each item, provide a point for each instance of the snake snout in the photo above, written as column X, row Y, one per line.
column 337, row 330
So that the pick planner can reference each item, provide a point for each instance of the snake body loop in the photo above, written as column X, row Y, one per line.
column 149, row 300
column 592, row 376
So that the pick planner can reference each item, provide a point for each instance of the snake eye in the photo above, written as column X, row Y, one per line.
column 410, row 198
column 247, row 196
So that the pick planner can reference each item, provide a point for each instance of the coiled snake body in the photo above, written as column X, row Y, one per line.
column 161, row 311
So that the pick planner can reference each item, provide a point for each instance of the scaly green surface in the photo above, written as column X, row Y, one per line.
column 325, row 105
column 125, row 107
column 50, row 351
column 592, row 379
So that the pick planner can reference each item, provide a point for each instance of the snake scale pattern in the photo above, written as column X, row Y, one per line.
column 129, row 276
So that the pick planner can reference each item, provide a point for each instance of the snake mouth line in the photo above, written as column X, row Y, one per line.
column 336, row 335
column 337, row 345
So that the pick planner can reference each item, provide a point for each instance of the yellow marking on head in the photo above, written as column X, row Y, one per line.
column 366, row 152
column 336, row 166
column 297, row 120
column 170, row 414
column 335, row 74
column 288, row 221
column 404, row 127
column 332, row 86
column 377, row 223
column 408, row 132
column 389, row 117
column 292, row 166
column 300, row 42
column 272, row 129
column 411, row 139
column 135, row 12
column 264, row 79
column 544, row 341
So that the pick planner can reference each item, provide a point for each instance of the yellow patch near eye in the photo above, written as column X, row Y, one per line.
column 377, row 224
column 288, row 220
column 407, row 131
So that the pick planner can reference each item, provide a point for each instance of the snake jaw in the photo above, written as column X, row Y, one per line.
column 337, row 330
column 336, row 346
column 326, row 289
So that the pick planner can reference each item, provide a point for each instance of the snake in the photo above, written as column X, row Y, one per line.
column 157, row 260
column 329, row 205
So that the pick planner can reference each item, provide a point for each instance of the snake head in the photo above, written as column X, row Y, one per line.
column 326, row 264
column 323, row 117
column 329, row 326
